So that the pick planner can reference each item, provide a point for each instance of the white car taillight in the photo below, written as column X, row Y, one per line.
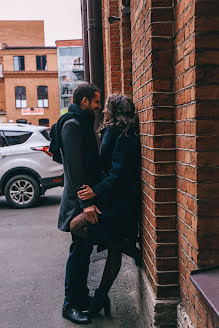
column 45, row 149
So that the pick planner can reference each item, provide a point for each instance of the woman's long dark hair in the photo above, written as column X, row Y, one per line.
column 122, row 114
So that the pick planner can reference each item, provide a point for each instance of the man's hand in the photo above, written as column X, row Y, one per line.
column 86, row 193
column 91, row 214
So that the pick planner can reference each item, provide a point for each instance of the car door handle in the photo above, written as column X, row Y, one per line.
column 2, row 156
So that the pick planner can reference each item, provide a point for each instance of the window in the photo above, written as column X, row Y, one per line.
column 1, row 70
column 66, row 102
column 41, row 63
column 19, row 63
column 44, row 122
column 20, row 97
column 17, row 137
column 21, row 120
column 3, row 142
column 42, row 96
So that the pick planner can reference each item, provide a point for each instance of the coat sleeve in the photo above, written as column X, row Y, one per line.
column 119, row 156
column 73, row 157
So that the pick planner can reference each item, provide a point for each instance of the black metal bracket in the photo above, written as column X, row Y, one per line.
column 112, row 19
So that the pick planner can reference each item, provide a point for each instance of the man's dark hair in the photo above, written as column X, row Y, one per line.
column 84, row 90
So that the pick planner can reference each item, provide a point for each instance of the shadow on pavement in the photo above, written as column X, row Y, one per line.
column 50, row 200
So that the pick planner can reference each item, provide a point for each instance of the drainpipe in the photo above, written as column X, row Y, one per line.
column 85, row 40
column 95, row 43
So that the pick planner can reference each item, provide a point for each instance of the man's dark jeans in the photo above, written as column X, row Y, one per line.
column 76, row 291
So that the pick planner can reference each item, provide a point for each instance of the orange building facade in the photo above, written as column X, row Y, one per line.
column 32, row 92
column 22, row 33
column 29, row 88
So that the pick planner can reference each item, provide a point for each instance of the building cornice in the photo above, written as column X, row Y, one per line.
column 28, row 51
column 34, row 74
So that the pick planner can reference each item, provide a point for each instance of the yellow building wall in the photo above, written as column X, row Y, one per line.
column 18, row 33
column 30, row 59
column 2, row 95
column 52, row 112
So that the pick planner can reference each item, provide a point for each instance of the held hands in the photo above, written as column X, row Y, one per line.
column 86, row 193
column 91, row 214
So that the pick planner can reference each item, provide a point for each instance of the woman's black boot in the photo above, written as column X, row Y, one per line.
column 99, row 301
column 132, row 251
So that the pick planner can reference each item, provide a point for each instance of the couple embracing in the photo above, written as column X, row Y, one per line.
column 101, row 199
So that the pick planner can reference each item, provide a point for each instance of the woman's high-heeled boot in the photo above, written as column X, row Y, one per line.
column 132, row 251
column 99, row 301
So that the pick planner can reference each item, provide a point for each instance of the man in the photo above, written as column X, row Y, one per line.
column 80, row 158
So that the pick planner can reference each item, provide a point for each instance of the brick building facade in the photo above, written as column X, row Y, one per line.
column 31, row 79
column 17, row 34
column 29, row 86
column 164, row 53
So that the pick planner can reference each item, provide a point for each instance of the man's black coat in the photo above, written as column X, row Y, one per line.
column 81, row 162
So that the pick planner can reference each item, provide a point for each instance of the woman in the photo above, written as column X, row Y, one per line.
column 117, row 195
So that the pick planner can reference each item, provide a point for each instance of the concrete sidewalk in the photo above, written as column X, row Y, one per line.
column 33, row 254
column 122, row 296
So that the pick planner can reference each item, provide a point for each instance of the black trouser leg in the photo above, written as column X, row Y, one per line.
column 77, row 267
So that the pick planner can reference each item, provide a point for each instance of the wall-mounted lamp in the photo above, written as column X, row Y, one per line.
column 112, row 19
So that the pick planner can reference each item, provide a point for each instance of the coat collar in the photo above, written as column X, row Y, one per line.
column 83, row 116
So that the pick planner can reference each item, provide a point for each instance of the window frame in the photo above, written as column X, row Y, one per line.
column 41, row 62
column 2, row 136
column 43, row 99
column 19, row 64
column 16, row 144
column 25, row 94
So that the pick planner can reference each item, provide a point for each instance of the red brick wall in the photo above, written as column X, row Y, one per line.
column 197, row 96
column 116, row 49
column 152, row 57
column 207, row 130
column 126, row 53
column 111, row 41
column 175, row 90
column 114, row 39
column 186, row 155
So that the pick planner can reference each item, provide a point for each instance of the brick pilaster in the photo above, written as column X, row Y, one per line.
column 153, row 94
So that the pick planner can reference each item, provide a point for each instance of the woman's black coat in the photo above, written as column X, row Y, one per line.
column 119, row 189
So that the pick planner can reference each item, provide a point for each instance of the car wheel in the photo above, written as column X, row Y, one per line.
column 22, row 191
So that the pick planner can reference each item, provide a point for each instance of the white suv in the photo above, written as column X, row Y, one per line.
column 26, row 166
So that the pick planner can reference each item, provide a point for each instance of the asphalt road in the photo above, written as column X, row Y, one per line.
column 33, row 254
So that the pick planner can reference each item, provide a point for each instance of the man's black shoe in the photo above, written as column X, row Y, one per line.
column 75, row 316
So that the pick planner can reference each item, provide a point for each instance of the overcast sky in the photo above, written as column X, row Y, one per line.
column 62, row 17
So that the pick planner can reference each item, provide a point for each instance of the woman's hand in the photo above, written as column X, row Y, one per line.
column 86, row 193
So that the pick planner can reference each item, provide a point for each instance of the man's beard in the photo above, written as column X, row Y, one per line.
column 90, row 112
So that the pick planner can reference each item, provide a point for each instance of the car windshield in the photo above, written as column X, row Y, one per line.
column 45, row 133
